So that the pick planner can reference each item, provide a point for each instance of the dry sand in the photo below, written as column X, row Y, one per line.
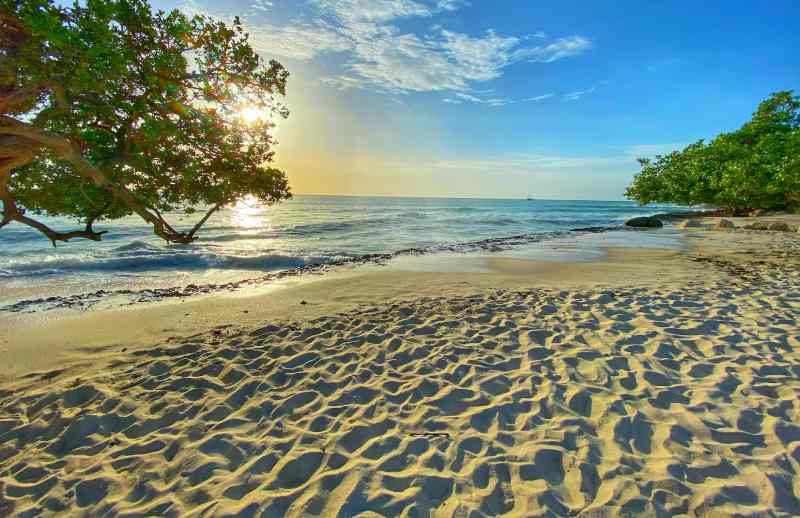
column 648, row 383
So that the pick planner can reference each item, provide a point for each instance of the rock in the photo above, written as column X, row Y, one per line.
column 689, row 223
column 724, row 224
column 780, row 226
column 644, row 222
column 756, row 213
column 758, row 225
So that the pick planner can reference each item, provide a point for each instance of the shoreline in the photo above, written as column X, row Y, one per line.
column 87, row 300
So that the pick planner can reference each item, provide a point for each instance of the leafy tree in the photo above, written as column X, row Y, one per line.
column 756, row 166
column 108, row 108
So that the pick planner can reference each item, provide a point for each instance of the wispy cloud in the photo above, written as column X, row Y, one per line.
column 261, row 5
column 461, row 97
column 537, row 98
column 451, row 5
column 372, row 10
column 489, row 101
column 574, row 96
column 298, row 41
column 376, row 54
column 386, row 59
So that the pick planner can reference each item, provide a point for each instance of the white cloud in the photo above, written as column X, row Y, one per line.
column 376, row 54
column 372, row 10
column 574, row 96
column 301, row 42
column 448, row 61
column 537, row 98
column 490, row 101
column 461, row 97
column 261, row 5
column 559, row 49
column 451, row 5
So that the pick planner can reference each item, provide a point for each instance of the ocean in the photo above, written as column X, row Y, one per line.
column 249, row 240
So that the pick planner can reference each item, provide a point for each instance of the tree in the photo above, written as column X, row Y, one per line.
column 108, row 108
column 756, row 166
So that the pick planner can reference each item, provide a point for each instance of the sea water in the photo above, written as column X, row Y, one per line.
column 249, row 239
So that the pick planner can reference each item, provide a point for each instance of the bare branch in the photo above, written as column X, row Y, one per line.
column 15, row 214
column 68, row 152
column 202, row 222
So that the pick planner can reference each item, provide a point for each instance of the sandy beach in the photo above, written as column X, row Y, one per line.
column 648, row 382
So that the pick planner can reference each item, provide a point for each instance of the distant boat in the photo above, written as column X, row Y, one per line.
column 529, row 198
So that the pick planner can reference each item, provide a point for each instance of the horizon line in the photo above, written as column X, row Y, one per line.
column 451, row 197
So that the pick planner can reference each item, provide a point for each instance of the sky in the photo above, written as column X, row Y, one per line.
column 508, row 98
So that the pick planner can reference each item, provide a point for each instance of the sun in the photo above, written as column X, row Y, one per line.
column 252, row 114
column 247, row 204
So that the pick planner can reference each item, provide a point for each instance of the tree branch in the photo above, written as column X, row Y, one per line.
column 12, row 127
column 202, row 222
column 21, row 95
column 12, row 213
column 68, row 152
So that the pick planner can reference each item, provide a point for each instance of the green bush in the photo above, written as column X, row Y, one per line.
column 754, row 167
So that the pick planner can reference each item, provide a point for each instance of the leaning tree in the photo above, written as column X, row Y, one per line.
column 108, row 108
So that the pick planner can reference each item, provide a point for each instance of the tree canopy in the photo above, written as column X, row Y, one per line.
column 109, row 108
column 754, row 167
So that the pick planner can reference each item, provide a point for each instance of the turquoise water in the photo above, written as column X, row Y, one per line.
column 250, row 239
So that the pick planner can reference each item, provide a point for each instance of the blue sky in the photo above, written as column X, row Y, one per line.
column 509, row 98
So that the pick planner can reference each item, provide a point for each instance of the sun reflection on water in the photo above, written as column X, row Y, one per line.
column 248, row 212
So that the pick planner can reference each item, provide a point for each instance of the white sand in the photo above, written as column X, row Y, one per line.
column 649, row 383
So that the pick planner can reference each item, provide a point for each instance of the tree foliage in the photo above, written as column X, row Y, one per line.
column 109, row 108
column 754, row 167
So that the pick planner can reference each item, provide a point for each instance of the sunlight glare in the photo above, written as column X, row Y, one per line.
column 252, row 114
column 249, row 213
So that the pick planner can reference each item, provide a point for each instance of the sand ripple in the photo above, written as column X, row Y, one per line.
column 596, row 402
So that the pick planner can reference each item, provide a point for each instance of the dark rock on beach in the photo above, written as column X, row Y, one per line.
column 671, row 216
column 724, row 224
column 758, row 225
column 780, row 226
column 689, row 223
column 644, row 222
